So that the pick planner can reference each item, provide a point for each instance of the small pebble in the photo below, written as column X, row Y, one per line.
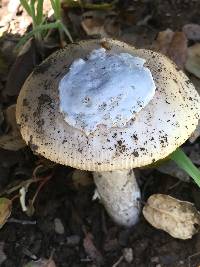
column 59, row 228
column 128, row 254
column 73, row 240
column 155, row 259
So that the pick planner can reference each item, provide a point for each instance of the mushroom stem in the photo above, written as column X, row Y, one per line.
column 120, row 194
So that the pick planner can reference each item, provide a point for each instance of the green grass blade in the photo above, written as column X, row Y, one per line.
column 185, row 163
column 39, row 16
column 58, row 8
column 26, row 6
column 32, row 6
column 66, row 31
column 37, row 29
column 53, row 6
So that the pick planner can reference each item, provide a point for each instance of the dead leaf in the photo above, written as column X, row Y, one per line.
column 192, row 31
column 11, row 139
column 100, row 23
column 133, row 14
column 178, row 49
column 7, row 47
column 173, row 45
column 91, row 249
column 138, row 36
column 178, row 218
column 163, row 41
column 41, row 263
column 193, row 60
column 93, row 23
column 25, row 62
column 10, row 143
column 11, row 21
column 5, row 210
column 10, row 118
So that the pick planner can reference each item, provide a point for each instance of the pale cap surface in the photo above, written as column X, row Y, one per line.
column 159, row 128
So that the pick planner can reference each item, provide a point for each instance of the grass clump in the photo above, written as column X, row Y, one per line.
column 35, row 10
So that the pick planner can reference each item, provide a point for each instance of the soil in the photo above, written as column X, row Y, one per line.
column 66, row 224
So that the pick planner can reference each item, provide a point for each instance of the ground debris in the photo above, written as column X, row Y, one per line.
column 163, row 41
column 178, row 49
column 171, row 168
column 195, row 134
column 81, row 178
column 91, row 249
column 10, row 21
column 41, row 263
column 128, row 254
column 100, row 23
column 173, row 45
column 2, row 254
column 59, row 227
column 111, row 245
column 192, row 64
column 192, row 31
column 73, row 240
column 178, row 218
column 28, row 58
column 11, row 139
column 5, row 210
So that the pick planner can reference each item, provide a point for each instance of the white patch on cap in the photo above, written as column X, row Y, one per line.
column 106, row 89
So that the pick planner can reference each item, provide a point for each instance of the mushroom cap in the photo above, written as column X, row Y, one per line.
column 158, row 129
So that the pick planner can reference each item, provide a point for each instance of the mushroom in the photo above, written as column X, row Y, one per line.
column 107, row 107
